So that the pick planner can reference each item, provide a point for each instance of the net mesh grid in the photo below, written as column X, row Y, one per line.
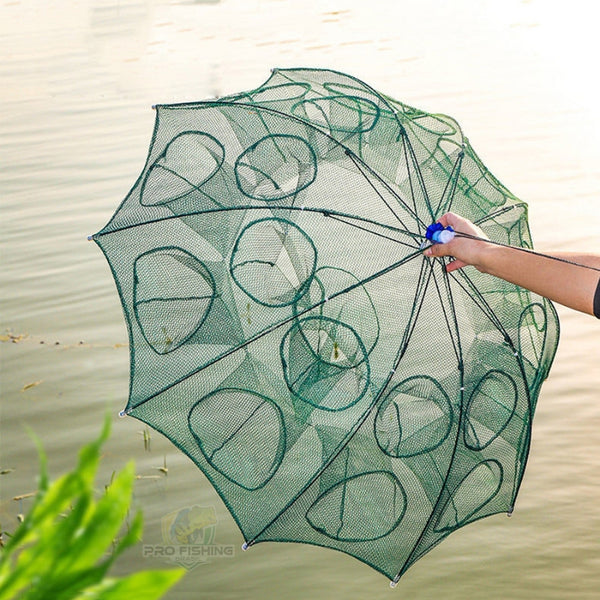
column 286, row 332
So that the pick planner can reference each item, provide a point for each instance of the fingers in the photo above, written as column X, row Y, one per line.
column 439, row 250
column 455, row 265
column 461, row 225
column 448, row 219
column 455, row 221
column 443, row 220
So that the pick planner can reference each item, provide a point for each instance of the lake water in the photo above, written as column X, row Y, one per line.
column 78, row 80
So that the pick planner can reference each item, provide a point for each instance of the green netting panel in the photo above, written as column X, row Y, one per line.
column 287, row 333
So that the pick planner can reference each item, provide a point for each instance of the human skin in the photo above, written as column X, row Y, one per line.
column 571, row 285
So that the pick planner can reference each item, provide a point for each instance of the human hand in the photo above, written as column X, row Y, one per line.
column 465, row 250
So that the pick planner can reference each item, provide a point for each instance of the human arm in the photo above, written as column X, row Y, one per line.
column 569, row 284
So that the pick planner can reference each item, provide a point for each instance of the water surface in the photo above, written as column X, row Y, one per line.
column 78, row 80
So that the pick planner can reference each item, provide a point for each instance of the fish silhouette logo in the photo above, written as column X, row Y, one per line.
column 188, row 537
column 190, row 526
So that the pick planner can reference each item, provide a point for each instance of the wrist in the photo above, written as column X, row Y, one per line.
column 486, row 258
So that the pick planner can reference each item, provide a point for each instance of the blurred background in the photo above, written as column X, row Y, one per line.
column 77, row 81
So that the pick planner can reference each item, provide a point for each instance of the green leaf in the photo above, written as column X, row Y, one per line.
column 132, row 536
column 145, row 585
column 103, row 524
column 66, row 557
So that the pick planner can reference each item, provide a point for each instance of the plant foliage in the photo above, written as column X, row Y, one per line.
column 68, row 541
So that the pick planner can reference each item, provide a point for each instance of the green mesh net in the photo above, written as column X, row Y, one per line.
column 286, row 332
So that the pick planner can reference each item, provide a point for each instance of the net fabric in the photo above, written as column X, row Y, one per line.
column 334, row 385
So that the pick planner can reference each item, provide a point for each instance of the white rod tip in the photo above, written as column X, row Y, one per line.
column 446, row 236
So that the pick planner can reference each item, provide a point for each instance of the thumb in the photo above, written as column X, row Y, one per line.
column 438, row 250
